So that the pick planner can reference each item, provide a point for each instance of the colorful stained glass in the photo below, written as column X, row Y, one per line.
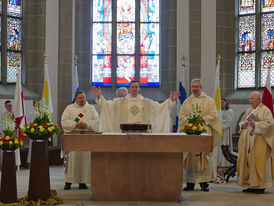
column 149, row 71
column 14, row 61
column 14, row 34
column 267, row 62
column 126, row 38
column 15, row 8
column 267, row 29
column 149, row 10
column 101, row 70
column 149, row 38
column 267, row 5
column 246, row 70
column 125, row 10
column 247, row 6
column 125, row 70
column 102, row 11
column 101, row 38
column 247, row 33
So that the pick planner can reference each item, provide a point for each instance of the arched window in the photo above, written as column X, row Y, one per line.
column 254, row 42
column 11, row 39
column 134, row 52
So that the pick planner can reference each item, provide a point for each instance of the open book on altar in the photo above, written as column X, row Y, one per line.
column 135, row 127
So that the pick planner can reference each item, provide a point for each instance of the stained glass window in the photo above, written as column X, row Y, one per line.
column 125, row 70
column 117, row 57
column 102, row 42
column 102, row 38
column 14, row 8
column 102, row 11
column 247, row 33
column 247, row 6
column 125, row 38
column 267, row 62
column 267, row 31
column 149, row 11
column 252, row 62
column 246, row 70
column 14, row 34
column 125, row 10
column 14, row 61
column 267, row 5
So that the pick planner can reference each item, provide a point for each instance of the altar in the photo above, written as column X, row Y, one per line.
column 137, row 166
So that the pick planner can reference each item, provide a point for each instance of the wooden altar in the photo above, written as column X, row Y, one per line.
column 136, row 166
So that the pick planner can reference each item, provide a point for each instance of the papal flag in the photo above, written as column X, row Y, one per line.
column 217, row 89
column 46, row 103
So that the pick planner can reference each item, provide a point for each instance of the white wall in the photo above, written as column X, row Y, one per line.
column 52, row 31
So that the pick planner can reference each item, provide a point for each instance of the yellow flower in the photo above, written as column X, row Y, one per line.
column 7, row 137
column 41, row 129
column 32, row 130
column 28, row 127
column 16, row 141
column 10, row 142
column 50, row 129
column 24, row 130
column 190, row 124
column 21, row 143
column 201, row 128
column 34, row 124
column 194, row 128
column 1, row 142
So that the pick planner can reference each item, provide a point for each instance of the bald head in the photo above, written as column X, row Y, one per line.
column 255, row 99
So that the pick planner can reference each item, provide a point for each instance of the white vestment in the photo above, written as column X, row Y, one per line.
column 226, row 123
column 200, row 167
column 134, row 110
column 255, row 165
column 78, row 166
column 8, row 122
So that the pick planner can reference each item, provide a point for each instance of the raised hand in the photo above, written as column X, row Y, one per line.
column 174, row 95
column 96, row 91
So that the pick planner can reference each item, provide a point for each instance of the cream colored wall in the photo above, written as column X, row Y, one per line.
column 51, row 44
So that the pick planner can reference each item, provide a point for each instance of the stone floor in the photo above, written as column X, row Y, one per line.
column 219, row 194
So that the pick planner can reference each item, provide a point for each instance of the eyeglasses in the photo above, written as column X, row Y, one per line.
column 81, row 98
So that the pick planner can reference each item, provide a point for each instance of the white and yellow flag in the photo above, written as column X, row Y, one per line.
column 46, row 103
column 217, row 89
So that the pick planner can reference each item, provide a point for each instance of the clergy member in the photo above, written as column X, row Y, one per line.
column 80, row 115
column 134, row 108
column 255, row 165
column 200, row 167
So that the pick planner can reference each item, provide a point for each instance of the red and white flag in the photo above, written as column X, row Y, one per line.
column 267, row 96
column 19, row 109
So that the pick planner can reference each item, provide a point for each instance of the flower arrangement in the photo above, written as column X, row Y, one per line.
column 9, row 142
column 194, row 124
column 41, row 128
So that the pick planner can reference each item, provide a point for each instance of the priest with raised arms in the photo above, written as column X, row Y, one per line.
column 134, row 108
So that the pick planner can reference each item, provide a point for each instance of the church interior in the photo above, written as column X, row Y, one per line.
column 191, row 38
